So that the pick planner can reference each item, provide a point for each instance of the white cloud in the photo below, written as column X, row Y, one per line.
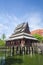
column 3, row 29
column 9, row 22
column 34, row 19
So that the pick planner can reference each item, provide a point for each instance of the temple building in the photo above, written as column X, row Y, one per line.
column 21, row 39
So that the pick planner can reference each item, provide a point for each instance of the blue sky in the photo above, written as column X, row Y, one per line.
column 14, row 12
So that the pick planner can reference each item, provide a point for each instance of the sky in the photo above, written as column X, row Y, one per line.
column 14, row 12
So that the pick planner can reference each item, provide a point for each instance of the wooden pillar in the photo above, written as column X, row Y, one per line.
column 25, row 49
column 17, row 50
column 10, row 50
column 30, row 51
column 13, row 50
column 23, row 46
column 20, row 51
column 32, row 48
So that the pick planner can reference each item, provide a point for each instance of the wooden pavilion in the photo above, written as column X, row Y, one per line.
column 21, row 39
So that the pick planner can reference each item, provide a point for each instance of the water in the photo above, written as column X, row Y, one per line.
column 2, row 60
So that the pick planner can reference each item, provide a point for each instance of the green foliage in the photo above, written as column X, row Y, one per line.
column 39, row 37
column 2, row 43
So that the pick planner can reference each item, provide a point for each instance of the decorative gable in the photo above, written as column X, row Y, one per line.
column 22, row 28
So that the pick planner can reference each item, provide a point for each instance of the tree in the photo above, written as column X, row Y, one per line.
column 3, row 36
column 39, row 37
column 2, row 43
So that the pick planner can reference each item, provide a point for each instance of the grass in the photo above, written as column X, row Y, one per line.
column 25, row 60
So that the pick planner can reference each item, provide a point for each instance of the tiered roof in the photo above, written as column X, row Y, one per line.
column 21, row 31
column 22, row 28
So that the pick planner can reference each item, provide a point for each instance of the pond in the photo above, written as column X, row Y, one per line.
column 3, row 55
column 2, row 60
